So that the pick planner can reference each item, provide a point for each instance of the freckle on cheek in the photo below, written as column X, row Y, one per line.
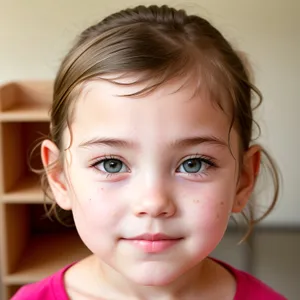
column 222, row 203
column 100, row 190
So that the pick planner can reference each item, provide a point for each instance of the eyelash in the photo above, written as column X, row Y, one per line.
column 204, row 159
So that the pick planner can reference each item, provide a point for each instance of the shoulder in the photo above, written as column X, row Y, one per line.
column 249, row 287
column 50, row 288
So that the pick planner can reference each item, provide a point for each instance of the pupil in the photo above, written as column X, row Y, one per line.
column 112, row 164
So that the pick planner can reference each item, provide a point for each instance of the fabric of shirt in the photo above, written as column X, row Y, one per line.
column 52, row 287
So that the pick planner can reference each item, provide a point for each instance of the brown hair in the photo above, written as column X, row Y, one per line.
column 161, row 43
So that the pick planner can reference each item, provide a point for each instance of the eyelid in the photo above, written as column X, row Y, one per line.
column 205, row 158
column 106, row 157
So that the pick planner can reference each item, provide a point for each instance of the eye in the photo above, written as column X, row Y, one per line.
column 111, row 165
column 195, row 165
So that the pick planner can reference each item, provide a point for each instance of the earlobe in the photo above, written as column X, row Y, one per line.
column 50, row 155
column 247, row 179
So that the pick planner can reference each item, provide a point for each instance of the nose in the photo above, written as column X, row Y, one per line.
column 157, row 202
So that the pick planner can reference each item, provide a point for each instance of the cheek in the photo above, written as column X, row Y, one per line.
column 97, row 211
column 97, row 207
column 93, row 203
column 210, row 207
column 97, row 216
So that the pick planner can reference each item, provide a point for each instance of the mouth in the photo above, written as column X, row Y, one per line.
column 153, row 243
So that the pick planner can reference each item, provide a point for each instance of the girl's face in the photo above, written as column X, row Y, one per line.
column 151, row 181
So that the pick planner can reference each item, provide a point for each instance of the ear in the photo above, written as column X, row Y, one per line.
column 55, row 173
column 247, row 177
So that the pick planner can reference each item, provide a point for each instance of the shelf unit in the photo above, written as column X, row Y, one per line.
column 32, row 247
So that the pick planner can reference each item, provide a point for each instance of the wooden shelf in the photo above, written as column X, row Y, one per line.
column 26, row 190
column 25, row 257
column 26, row 113
column 45, row 255
column 25, row 101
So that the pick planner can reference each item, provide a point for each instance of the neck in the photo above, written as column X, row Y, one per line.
column 196, row 283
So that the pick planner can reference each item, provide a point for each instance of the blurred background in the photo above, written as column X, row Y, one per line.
column 35, row 35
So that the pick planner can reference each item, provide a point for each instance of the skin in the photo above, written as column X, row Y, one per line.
column 153, row 192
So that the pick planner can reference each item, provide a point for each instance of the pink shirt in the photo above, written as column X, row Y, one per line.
column 52, row 288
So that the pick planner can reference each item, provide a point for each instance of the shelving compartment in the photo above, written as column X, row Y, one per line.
column 10, row 290
column 36, row 246
column 26, row 101
column 19, row 139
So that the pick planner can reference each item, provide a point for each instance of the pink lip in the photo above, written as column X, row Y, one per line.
column 153, row 243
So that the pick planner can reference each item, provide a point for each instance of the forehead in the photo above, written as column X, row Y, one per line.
column 169, row 111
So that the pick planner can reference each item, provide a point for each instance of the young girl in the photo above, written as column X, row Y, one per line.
column 151, row 150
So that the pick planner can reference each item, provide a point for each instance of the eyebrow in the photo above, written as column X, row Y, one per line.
column 179, row 143
column 197, row 140
column 111, row 142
